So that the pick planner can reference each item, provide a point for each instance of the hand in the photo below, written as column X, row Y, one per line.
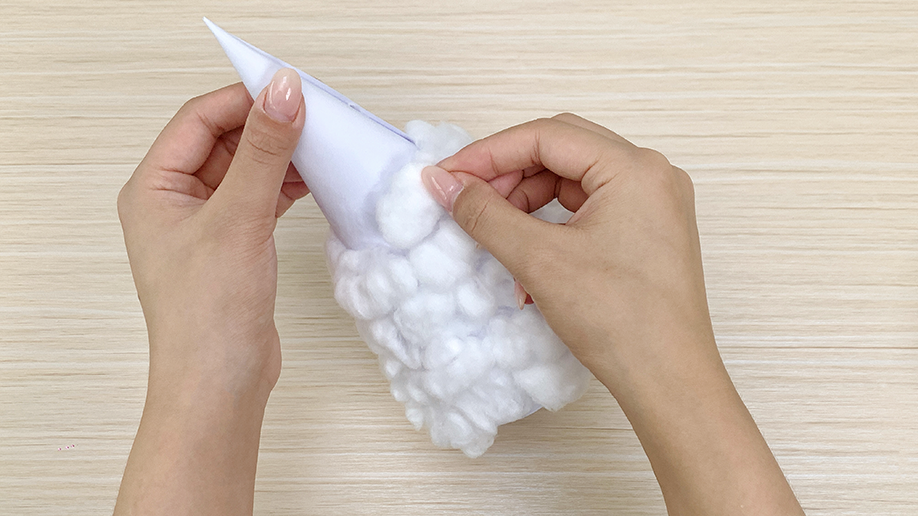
column 198, row 216
column 622, row 285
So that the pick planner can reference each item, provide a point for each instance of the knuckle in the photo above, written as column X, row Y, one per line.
column 683, row 178
column 544, row 122
column 687, row 186
column 123, row 203
column 653, row 166
column 266, row 146
column 667, row 185
column 190, row 105
column 539, row 125
column 471, row 209
column 650, row 158
column 567, row 117
column 195, row 110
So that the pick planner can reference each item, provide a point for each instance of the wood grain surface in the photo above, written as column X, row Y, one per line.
column 798, row 122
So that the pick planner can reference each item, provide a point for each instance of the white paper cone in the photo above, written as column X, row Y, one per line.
column 345, row 153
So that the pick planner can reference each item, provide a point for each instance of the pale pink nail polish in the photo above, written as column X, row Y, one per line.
column 282, row 100
column 442, row 185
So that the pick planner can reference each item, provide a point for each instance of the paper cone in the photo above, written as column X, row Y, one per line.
column 345, row 154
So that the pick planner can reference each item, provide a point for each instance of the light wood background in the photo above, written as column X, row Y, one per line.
column 797, row 120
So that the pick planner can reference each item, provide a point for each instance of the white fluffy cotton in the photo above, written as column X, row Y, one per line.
column 441, row 315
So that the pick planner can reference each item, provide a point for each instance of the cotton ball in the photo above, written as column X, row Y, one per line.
column 350, row 286
column 424, row 137
column 540, row 342
column 439, row 433
column 438, row 356
column 402, row 277
column 419, row 131
column 469, row 365
column 435, row 266
column 441, row 352
column 416, row 389
column 503, row 399
column 509, row 346
column 391, row 367
column 371, row 282
column 415, row 415
column 498, row 280
column 451, row 139
column 363, row 329
column 387, row 336
column 377, row 283
column 437, row 384
column 386, row 280
column 348, row 294
column 477, row 447
column 399, row 390
column 452, row 430
column 352, row 262
column 454, row 240
column 444, row 258
column 424, row 315
column 453, row 364
column 474, row 301
column 374, row 293
column 474, row 409
column 436, row 143
column 334, row 248
column 460, row 431
column 553, row 385
column 407, row 213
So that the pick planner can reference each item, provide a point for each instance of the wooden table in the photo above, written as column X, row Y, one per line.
column 797, row 120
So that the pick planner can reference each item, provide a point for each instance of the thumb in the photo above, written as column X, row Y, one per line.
column 510, row 234
column 272, row 131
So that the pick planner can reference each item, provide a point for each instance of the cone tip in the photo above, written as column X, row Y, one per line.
column 211, row 25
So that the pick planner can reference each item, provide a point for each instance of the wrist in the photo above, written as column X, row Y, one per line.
column 201, row 368
column 196, row 393
column 698, row 434
column 661, row 365
column 678, row 390
column 183, row 432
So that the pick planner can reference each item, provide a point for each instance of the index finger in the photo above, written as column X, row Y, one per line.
column 567, row 150
column 187, row 140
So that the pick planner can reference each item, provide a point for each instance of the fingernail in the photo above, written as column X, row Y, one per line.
column 520, row 294
column 442, row 185
column 282, row 101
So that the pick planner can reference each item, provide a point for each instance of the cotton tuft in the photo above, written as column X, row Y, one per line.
column 441, row 315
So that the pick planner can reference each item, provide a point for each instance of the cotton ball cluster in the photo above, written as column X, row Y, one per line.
column 441, row 315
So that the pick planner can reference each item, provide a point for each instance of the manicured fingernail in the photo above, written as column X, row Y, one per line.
column 520, row 294
column 282, row 100
column 442, row 185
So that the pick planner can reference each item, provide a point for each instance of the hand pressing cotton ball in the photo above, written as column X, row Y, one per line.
column 406, row 214
column 441, row 315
